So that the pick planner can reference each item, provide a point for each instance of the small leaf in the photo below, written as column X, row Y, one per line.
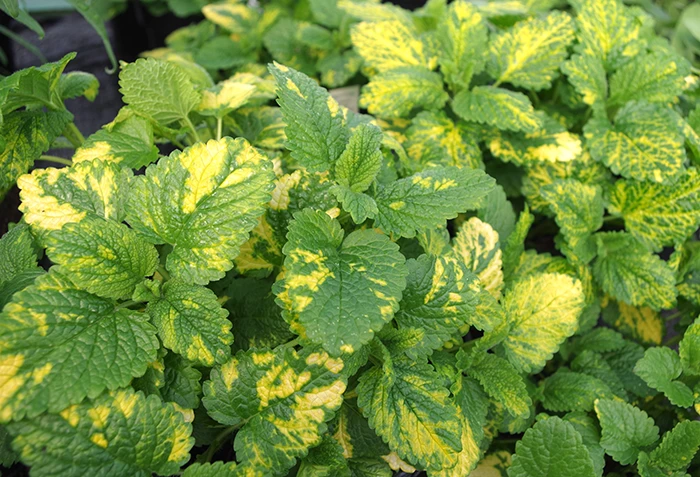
column 497, row 107
column 578, row 208
column 689, row 349
column 566, row 391
column 361, row 160
column 587, row 74
column 502, row 383
column 659, row 368
column 625, row 430
column 476, row 246
column 677, row 449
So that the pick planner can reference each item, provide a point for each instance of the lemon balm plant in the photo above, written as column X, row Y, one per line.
column 298, row 289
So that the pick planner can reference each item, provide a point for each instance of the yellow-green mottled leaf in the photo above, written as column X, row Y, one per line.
column 410, row 409
column 607, row 30
column 352, row 432
column 52, row 198
column 213, row 469
column 493, row 465
column 435, row 140
column 502, row 382
column 119, row 433
column 529, row 54
column 375, row 11
column 578, row 208
column 315, row 124
column 644, row 143
column 656, row 214
column 425, row 200
column 660, row 368
column 191, row 322
column 101, row 256
column 689, row 349
column 587, row 74
column 639, row 323
column 627, row 271
column 386, row 45
column 476, row 245
column 159, row 90
column 232, row 17
column 514, row 246
column 60, row 344
column 225, row 97
column 395, row 93
column 463, row 36
column 262, row 252
column 339, row 290
column 281, row 398
column 262, row 126
column 656, row 77
column 78, row 83
column 203, row 201
column 337, row 69
column 542, row 311
column 497, row 107
column 25, row 135
column 439, row 299
column 17, row 253
column 551, row 143
column 34, row 87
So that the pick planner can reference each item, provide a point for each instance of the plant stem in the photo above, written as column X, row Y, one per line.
column 73, row 134
column 56, row 159
column 219, row 127
column 216, row 444
column 126, row 304
column 195, row 135
column 163, row 272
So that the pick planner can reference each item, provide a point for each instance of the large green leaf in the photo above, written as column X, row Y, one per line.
column 566, row 391
column 497, row 107
column 203, row 201
column 502, row 383
column 281, row 398
column 625, row 430
column 119, row 433
column 34, row 87
column 660, row 368
column 62, row 344
column 338, row 291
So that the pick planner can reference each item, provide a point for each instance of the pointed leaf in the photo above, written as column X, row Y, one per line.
column 625, row 430
column 497, row 107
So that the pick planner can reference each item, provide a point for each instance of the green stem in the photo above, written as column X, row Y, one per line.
column 195, row 135
column 673, row 341
column 177, row 143
column 219, row 127
column 56, row 159
column 24, row 43
column 611, row 218
column 163, row 272
column 73, row 134
column 127, row 304
column 217, row 443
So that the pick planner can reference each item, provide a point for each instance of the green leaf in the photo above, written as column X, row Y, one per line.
column 78, row 83
column 625, row 430
column 119, row 433
column 659, row 368
column 316, row 132
column 529, row 54
column 578, row 208
column 425, row 200
column 158, row 89
column 594, row 364
column 325, row 460
column 17, row 253
column 262, row 126
column 102, row 256
column 658, row 215
column 395, row 93
column 128, row 142
column 514, row 246
column 34, row 87
column 627, row 271
column 191, row 322
column 498, row 212
column 439, row 298
column 476, row 246
column 434, row 140
column 542, row 311
column 502, row 383
column 570, row 391
column 387, row 45
column 52, row 198
column 97, row 13
column 554, row 448
column 351, row 430
column 463, row 37
column 587, row 74
column 180, row 382
column 326, row 12
column 338, row 290
column 26, row 135
column 497, row 107
column 358, row 165
column 62, row 344
column 225, row 97
column 359, row 205
column 590, row 433
column 211, row 469
column 281, row 398
column 203, row 201
column 688, row 349
column 409, row 408
column 657, row 77
column 643, row 144
column 677, row 448
column 639, row 323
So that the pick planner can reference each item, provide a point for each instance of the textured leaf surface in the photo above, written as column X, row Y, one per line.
column 497, row 107
column 554, row 448
column 626, row 270
column 659, row 368
column 52, row 198
column 191, row 322
column 425, row 200
column 281, row 398
column 476, row 246
column 361, row 160
column 119, row 433
column 529, row 54
column 677, row 449
column 655, row 77
column 463, row 37
column 542, row 311
column 644, row 143
column 385, row 45
column 17, row 253
column 158, row 89
column 101, row 256
column 339, row 290
column 578, row 208
column 439, row 299
column 587, row 74
column 61, row 344
column 658, row 215
column 316, row 132
column 395, row 93
column 502, row 383
column 689, row 349
column 625, row 430
column 566, row 391
column 203, row 201
column 412, row 412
